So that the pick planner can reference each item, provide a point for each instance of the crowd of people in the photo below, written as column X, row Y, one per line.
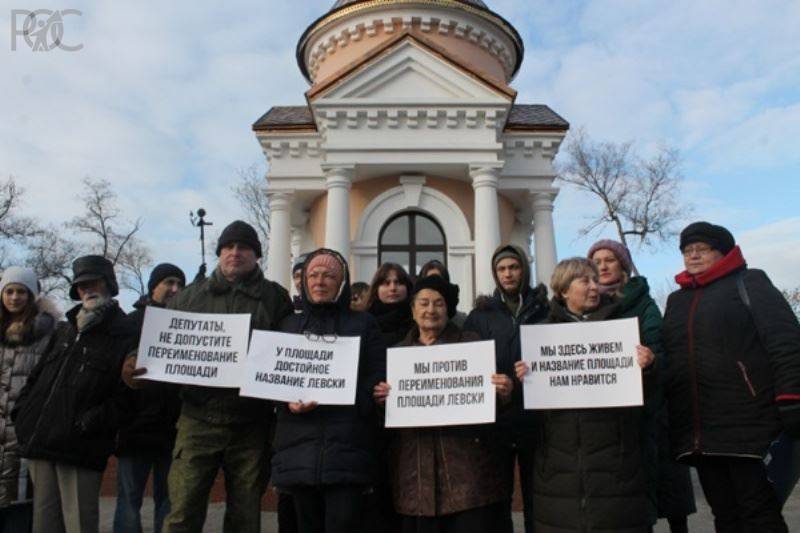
column 721, row 381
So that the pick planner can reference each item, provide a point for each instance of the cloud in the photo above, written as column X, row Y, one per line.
column 775, row 248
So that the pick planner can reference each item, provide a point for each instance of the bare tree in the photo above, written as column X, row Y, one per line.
column 251, row 192
column 101, row 222
column 793, row 297
column 640, row 197
column 50, row 255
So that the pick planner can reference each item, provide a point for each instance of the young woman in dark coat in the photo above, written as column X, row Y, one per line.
column 733, row 346
column 669, row 487
column 448, row 479
column 327, row 456
column 389, row 302
column 589, row 468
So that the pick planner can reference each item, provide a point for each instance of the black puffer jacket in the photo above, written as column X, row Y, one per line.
column 151, row 430
column 590, row 473
column 74, row 400
column 492, row 320
column 332, row 445
column 728, row 364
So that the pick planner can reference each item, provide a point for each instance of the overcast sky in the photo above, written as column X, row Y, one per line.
column 162, row 95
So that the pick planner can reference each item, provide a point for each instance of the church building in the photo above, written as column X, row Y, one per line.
column 411, row 145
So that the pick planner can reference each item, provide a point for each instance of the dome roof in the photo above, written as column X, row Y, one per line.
column 342, row 3
column 476, row 6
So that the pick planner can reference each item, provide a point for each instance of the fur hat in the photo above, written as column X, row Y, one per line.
column 437, row 283
column 90, row 268
column 718, row 237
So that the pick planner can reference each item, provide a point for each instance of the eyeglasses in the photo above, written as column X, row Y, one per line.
column 326, row 337
column 701, row 249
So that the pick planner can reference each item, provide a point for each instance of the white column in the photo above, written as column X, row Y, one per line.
column 337, row 218
column 487, row 225
column 544, row 234
column 280, row 234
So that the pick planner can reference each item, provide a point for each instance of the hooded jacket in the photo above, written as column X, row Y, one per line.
column 493, row 319
column 730, row 364
column 74, row 400
column 17, row 361
column 332, row 444
column 589, row 469
column 151, row 429
column 267, row 303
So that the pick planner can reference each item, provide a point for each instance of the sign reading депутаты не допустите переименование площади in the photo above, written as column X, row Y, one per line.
column 193, row 348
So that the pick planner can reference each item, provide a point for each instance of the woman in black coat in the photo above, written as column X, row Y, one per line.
column 733, row 346
column 326, row 456
column 389, row 302
column 589, row 470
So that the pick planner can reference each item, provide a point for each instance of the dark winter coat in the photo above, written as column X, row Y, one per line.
column 636, row 302
column 394, row 320
column 332, row 444
column 17, row 361
column 440, row 471
column 267, row 303
column 589, row 473
column 151, row 430
column 74, row 401
column 728, row 363
column 493, row 320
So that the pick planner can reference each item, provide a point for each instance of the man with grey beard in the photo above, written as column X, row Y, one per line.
column 68, row 412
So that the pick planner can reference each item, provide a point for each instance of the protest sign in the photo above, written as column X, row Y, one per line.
column 193, row 348
column 288, row 367
column 582, row 365
column 440, row 385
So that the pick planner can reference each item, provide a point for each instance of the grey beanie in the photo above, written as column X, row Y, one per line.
column 22, row 276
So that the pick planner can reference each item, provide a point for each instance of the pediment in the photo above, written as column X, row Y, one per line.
column 409, row 71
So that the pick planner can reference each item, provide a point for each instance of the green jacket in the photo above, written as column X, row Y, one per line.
column 267, row 303
column 637, row 302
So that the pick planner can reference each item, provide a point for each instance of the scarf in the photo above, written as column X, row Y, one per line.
column 88, row 318
column 732, row 262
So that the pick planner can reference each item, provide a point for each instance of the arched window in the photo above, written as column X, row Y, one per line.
column 411, row 239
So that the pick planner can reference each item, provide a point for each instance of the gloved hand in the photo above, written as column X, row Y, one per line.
column 790, row 418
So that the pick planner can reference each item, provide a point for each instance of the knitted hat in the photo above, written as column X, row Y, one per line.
column 437, row 283
column 717, row 237
column 619, row 250
column 331, row 262
column 23, row 276
column 90, row 268
column 241, row 232
column 162, row 272
column 505, row 253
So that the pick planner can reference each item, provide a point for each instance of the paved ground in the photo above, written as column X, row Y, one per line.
column 698, row 523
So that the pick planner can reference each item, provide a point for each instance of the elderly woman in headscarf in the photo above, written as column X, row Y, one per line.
column 589, row 467
column 326, row 456
column 447, row 479
column 669, row 485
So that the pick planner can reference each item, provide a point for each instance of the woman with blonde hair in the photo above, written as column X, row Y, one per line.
column 588, row 466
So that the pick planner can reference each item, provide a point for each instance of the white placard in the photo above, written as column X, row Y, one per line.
column 288, row 367
column 193, row 348
column 582, row 365
column 440, row 385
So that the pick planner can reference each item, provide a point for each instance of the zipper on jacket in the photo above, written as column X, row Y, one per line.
column 746, row 378
column 581, row 481
column 693, row 372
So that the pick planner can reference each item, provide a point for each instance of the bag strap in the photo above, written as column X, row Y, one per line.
column 743, row 291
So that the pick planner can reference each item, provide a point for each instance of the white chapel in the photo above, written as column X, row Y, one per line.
column 411, row 145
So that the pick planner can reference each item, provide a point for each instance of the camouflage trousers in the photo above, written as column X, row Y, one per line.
column 201, row 449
